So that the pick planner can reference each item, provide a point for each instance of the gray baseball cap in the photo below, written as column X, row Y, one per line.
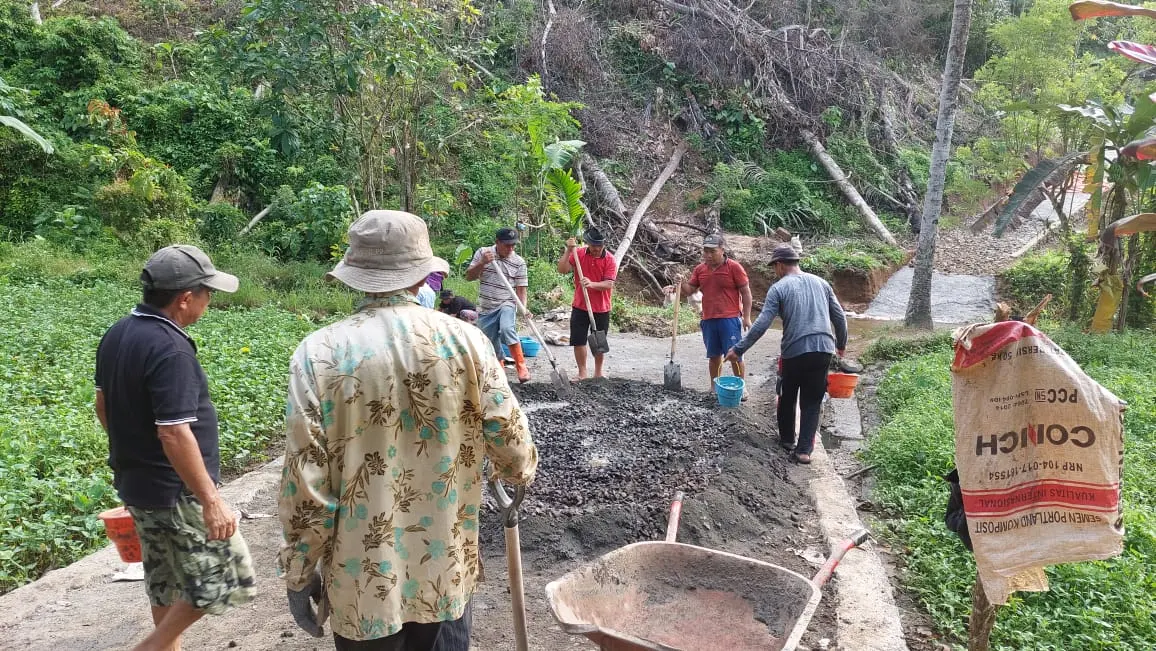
column 712, row 241
column 784, row 253
column 183, row 266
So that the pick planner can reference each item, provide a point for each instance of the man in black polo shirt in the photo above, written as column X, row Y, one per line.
column 152, row 397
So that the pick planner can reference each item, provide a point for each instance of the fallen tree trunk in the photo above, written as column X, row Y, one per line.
column 256, row 219
column 604, row 189
column 908, row 196
column 658, row 251
column 632, row 227
column 866, row 214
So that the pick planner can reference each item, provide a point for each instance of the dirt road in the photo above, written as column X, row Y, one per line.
column 743, row 498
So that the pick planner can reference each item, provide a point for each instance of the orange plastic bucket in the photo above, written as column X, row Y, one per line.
column 120, row 530
column 841, row 385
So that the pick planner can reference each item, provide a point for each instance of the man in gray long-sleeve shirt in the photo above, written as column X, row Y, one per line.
column 814, row 327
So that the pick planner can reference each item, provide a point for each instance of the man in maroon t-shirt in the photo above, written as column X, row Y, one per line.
column 726, row 302
column 599, row 269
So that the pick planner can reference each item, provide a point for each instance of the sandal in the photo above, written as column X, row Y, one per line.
column 804, row 459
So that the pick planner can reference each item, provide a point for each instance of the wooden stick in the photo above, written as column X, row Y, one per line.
column 632, row 228
column 982, row 619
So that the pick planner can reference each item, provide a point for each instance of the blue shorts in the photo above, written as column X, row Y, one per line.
column 720, row 335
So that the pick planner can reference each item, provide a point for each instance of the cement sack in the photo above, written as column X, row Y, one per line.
column 1039, row 446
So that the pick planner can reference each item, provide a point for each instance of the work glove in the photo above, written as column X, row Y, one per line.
column 305, row 613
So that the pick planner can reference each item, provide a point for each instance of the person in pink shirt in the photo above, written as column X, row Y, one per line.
column 599, row 269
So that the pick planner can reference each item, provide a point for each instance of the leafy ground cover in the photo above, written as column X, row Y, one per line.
column 53, row 472
column 1091, row 606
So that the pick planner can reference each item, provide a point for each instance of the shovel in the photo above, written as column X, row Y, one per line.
column 557, row 376
column 509, row 505
column 597, row 340
column 672, row 373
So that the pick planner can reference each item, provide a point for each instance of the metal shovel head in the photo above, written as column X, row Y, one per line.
column 598, row 343
column 562, row 387
column 672, row 377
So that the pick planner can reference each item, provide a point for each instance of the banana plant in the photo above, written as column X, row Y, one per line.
column 561, row 194
column 1135, row 144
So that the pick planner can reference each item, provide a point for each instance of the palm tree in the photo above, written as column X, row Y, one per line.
column 919, row 303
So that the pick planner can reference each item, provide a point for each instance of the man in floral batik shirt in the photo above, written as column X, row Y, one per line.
column 390, row 413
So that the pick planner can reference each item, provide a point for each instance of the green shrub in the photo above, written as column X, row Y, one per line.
column 544, row 280
column 918, row 164
column 754, row 199
column 862, row 255
column 153, row 234
column 310, row 225
column 490, row 185
column 894, row 349
column 218, row 223
column 1025, row 283
column 70, row 226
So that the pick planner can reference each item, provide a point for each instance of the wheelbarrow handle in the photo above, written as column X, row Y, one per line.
column 675, row 514
column 507, row 502
column 824, row 574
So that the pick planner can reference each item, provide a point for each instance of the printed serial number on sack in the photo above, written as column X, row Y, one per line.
column 1035, row 466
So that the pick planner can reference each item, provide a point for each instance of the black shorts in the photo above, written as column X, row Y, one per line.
column 580, row 325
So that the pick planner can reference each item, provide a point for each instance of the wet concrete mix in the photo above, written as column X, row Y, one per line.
column 612, row 458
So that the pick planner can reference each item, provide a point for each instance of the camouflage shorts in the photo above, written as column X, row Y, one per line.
column 179, row 562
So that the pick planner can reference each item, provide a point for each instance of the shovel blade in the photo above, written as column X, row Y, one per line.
column 598, row 343
column 672, row 377
column 562, row 387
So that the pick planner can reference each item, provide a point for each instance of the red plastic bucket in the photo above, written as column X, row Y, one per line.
column 841, row 385
column 119, row 527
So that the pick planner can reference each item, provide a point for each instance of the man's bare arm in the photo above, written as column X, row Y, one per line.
column 101, row 413
column 181, row 448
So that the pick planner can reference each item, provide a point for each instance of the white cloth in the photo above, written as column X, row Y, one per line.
column 427, row 297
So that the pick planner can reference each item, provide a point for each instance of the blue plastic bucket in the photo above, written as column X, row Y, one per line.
column 729, row 390
column 530, row 346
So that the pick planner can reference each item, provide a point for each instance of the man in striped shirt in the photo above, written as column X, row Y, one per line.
column 497, row 309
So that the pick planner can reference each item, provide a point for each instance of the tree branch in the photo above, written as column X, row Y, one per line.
column 632, row 228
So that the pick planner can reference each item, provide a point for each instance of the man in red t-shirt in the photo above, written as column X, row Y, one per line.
column 726, row 302
column 599, row 269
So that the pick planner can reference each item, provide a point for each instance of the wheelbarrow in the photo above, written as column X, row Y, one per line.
column 670, row 596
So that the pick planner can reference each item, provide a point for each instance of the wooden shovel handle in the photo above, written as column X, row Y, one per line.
column 585, row 294
column 674, row 328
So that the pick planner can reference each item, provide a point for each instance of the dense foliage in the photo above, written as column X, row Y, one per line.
column 53, row 473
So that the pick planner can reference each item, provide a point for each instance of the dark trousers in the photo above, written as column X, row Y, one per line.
column 438, row 636
column 804, row 380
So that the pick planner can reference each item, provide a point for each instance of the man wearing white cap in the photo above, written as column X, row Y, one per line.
column 390, row 413
column 152, row 397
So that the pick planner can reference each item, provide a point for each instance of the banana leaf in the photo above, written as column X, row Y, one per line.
column 1142, row 149
column 1100, row 8
column 1145, row 222
column 1135, row 51
column 560, row 153
column 27, row 132
column 1028, row 193
column 564, row 200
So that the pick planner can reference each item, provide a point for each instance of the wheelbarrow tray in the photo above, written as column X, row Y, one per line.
column 667, row 596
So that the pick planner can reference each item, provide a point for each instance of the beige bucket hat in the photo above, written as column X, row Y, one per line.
column 388, row 251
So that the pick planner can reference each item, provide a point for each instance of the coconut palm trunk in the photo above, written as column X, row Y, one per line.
column 919, row 303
